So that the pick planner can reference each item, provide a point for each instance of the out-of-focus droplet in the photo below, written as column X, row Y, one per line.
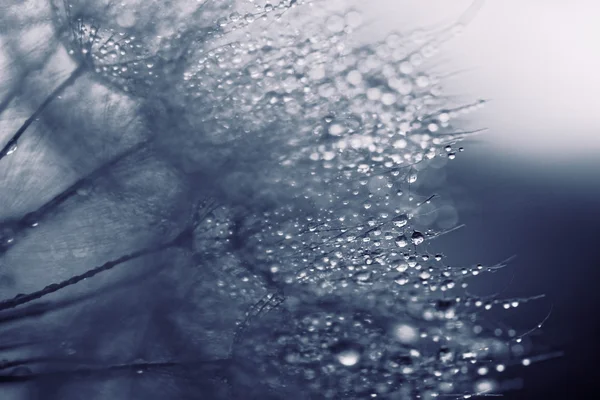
column 336, row 24
column 363, row 276
column 406, row 333
column 347, row 354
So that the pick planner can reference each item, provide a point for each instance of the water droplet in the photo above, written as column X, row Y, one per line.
column 11, row 149
column 400, row 220
column 401, row 241
column 347, row 354
column 363, row 276
column 445, row 354
column 422, row 81
column 336, row 129
column 336, row 24
column 401, row 279
column 222, row 22
column 444, row 117
column 406, row 333
column 417, row 238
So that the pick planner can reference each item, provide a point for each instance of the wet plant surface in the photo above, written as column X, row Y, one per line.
column 225, row 200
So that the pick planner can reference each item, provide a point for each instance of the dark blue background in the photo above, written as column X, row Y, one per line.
column 546, row 211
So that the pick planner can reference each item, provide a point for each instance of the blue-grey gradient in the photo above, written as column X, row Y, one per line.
column 528, row 187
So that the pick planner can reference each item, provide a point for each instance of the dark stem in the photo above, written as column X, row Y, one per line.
column 61, row 88
column 41, row 212
column 212, row 365
column 26, row 298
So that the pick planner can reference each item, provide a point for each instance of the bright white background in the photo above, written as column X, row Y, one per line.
column 537, row 60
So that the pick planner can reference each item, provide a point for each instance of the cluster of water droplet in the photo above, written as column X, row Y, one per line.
column 385, row 354
column 346, row 125
column 331, row 227
column 135, row 50
column 375, row 312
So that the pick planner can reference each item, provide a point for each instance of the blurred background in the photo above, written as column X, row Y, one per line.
column 530, row 186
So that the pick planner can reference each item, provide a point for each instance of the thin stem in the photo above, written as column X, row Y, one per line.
column 26, row 298
column 55, row 93
column 60, row 198
column 219, row 364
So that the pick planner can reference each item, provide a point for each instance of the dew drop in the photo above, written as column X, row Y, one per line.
column 401, row 279
column 12, row 149
column 362, row 277
column 406, row 333
column 417, row 238
column 400, row 220
column 401, row 241
column 336, row 129
column 347, row 354
column 336, row 24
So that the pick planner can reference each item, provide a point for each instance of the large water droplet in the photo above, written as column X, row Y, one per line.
column 401, row 241
column 406, row 333
column 400, row 220
column 346, row 353
column 417, row 238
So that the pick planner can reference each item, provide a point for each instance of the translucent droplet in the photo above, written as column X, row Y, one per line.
column 422, row 81
column 400, row 220
column 347, row 354
column 222, row 22
column 445, row 354
column 417, row 238
column 354, row 77
column 401, row 279
column 401, row 241
column 336, row 24
column 485, row 386
column 362, row 277
column 354, row 19
column 12, row 149
column 336, row 129
column 406, row 333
